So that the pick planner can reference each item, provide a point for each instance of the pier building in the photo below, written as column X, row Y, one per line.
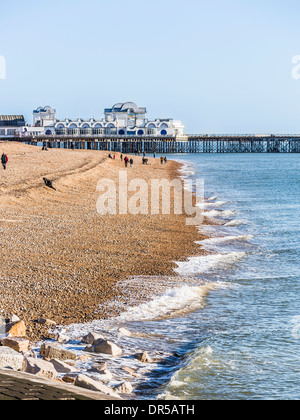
column 123, row 119
column 10, row 125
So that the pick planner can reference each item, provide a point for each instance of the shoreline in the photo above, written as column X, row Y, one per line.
column 75, row 263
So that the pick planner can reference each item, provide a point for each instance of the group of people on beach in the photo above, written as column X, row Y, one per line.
column 4, row 160
column 163, row 160
column 126, row 161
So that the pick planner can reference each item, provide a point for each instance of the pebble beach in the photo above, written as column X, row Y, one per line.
column 63, row 261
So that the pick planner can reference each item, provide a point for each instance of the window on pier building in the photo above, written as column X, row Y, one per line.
column 151, row 131
column 72, row 131
column 98, row 131
column 85, row 131
column 60, row 131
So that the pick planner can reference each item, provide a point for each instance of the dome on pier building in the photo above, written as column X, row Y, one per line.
column 128, row 107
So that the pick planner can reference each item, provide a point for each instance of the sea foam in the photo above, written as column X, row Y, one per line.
column 234, row 223
column 171, row 303
column 226, row 239
column 203, row 264
column 219, row 213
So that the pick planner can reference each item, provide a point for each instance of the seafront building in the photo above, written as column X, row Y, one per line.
column 10, row 124
column 123, row 119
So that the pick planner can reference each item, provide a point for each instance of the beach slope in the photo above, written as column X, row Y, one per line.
column 62, row 260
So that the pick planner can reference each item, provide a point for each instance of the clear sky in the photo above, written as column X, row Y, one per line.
column 219, row 66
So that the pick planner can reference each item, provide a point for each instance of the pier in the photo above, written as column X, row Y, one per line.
column 167, row 145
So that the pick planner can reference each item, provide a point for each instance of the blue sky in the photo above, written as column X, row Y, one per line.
column 219, row 66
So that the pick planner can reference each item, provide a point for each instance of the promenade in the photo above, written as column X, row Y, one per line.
column 17, row 386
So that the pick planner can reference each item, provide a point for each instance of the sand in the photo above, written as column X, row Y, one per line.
column 60, row 259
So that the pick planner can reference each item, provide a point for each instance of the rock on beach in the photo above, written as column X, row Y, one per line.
column 10, row 358
column 91, row 337
column 144, row 357
column 39, row 368
column 16, row 329
column 107, row 347
column 15, row 343
column 124, row 388
column 62, row 367
column 84, row 381
column 49, row 352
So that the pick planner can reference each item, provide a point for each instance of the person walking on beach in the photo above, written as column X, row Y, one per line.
column 162, row 160
column 121, row 157
column 126, row 161
column 166, row 160
column 131, row 163
column 4, row 160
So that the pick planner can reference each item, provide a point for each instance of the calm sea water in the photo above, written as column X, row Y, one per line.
column 247, row 341
column 229, row 326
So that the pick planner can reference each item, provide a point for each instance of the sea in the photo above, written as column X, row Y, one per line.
column 227, row 326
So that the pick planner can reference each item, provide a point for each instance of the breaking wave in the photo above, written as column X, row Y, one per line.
column 226, row 239
column 203, row 264
column 234, row 223
column 219, row 213
column 173, row 302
